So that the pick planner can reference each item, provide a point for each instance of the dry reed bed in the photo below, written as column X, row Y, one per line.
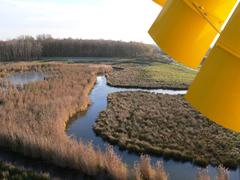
column 33, row 120
column 166, row 125
column 222, row 174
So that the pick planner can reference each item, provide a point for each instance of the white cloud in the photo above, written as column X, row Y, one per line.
column 111, row 19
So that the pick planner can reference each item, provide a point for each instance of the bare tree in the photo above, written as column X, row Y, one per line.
column 28, row 48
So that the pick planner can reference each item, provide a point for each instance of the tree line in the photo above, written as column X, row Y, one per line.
column 22, row 48
column 29, row 48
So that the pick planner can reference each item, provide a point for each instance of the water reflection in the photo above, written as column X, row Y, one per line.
column 25, row 78
column 81, row 128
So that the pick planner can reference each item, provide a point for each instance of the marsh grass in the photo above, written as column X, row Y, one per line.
column 222, row 174
column 171, row 73
column 155, row 75
column 34, row 118
column 166, row 125
column 145, row 170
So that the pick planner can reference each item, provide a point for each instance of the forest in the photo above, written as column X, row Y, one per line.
column 29, row 48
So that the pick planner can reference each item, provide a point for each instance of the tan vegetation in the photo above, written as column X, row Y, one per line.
column 34, row 116
column 166, row 125
column 144, row 170
column 223, row 174
column 152, row 76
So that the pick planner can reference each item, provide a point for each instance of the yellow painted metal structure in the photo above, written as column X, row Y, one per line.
column 160, row 2
column 216, row 90
column 185, row 29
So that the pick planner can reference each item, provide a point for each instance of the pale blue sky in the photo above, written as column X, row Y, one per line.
column 127, row 20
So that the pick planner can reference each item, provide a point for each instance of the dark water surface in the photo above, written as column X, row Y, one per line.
column 81, row 128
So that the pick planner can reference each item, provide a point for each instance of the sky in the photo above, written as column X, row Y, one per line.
column 127, row 20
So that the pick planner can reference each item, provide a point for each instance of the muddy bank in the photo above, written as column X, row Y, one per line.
column 164, row 87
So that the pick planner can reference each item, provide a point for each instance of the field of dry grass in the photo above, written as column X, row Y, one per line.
column 222, row 174
column 33, row 119
column 152, row 76
column 166, row 125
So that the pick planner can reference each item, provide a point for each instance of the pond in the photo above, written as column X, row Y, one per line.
column 81, row 128
column 25, row 78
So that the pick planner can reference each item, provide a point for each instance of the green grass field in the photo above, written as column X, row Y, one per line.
column 170, row 73
column 152, row 75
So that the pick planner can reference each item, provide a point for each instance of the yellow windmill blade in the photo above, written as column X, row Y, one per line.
column 216, row 90
column 185, row 29
column 160, row 2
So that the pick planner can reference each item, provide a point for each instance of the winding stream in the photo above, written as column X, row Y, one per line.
column 81, row 128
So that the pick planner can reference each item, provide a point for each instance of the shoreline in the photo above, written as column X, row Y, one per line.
column 111, row 126
column 144, row 87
